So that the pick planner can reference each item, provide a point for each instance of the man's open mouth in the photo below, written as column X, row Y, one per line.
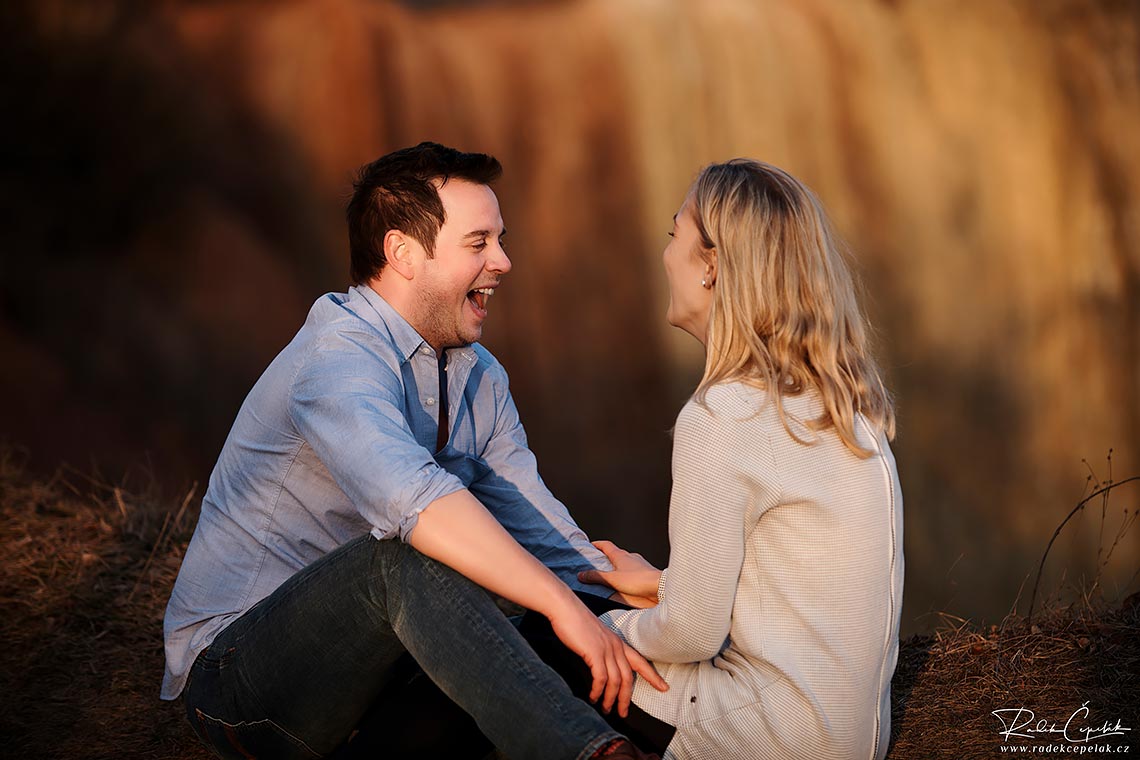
column 480, row 296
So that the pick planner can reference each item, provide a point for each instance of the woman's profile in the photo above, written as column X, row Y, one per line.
column 776, row 622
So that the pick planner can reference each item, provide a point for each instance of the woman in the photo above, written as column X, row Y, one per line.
column 776, row 623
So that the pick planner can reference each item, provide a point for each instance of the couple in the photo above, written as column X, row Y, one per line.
column 377, row 483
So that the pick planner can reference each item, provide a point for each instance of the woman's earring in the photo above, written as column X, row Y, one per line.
column 707, row 281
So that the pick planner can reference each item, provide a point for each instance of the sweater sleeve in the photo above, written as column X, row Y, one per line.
column 710, row 503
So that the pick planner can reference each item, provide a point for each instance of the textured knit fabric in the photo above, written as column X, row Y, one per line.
column 777, row 626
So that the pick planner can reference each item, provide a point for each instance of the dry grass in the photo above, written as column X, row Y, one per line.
column 947, row 685
column 86, row 568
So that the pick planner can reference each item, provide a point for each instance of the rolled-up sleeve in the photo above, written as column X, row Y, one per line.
column 346, row 404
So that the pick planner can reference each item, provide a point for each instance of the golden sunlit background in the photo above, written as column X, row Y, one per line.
column 175, row 175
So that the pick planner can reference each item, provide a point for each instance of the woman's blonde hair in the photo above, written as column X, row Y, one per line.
column 784, row 315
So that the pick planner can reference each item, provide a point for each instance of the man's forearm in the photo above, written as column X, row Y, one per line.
column 458, row 531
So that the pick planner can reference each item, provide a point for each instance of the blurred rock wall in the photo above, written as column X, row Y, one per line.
column 180, row 172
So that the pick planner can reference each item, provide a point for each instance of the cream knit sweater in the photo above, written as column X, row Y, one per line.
column 777, row 627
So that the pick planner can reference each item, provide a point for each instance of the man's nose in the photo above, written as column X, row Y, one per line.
column 498, row 261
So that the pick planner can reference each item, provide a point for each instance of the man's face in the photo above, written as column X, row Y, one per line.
column 453, row 287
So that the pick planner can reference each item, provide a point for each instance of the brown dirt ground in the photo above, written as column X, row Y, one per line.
column 86, row 568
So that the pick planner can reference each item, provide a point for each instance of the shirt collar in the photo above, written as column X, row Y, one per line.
column 407, row 340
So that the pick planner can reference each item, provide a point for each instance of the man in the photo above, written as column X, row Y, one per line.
column 376, row 472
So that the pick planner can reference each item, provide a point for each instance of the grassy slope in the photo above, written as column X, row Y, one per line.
column 86, row 567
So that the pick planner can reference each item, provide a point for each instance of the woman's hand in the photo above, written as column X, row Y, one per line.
column 633, row 579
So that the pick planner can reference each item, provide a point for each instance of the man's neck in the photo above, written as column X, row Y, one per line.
column 401, row 301
column 395, row 296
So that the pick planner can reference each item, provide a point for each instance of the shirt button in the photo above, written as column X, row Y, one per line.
column 426, row 351
column 429, row 401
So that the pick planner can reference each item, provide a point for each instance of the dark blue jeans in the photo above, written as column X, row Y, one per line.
column 295, row 675
column 413, row 718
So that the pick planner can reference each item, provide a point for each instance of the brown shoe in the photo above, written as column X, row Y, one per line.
column 623, row 749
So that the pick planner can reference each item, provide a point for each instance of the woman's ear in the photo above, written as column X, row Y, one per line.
column 398, row 252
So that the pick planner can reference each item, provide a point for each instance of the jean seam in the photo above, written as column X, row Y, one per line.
column 379, row 567
column 288, row 735
column 597, row 743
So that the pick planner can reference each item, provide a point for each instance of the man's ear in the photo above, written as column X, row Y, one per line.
column 398, row 252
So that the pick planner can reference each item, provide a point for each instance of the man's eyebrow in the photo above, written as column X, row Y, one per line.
column 479, row 234
column 674, row 218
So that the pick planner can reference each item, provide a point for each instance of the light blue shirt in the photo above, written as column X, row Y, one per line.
column 336, row 440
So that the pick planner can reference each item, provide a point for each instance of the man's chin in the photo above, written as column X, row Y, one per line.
column 464, row 340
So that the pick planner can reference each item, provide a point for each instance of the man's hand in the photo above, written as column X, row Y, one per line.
column 612, row 662
column 633, row 579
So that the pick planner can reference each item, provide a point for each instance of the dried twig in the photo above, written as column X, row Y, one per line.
column 1080, row 505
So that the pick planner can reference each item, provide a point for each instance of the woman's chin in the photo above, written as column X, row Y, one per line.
column 679, row 324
